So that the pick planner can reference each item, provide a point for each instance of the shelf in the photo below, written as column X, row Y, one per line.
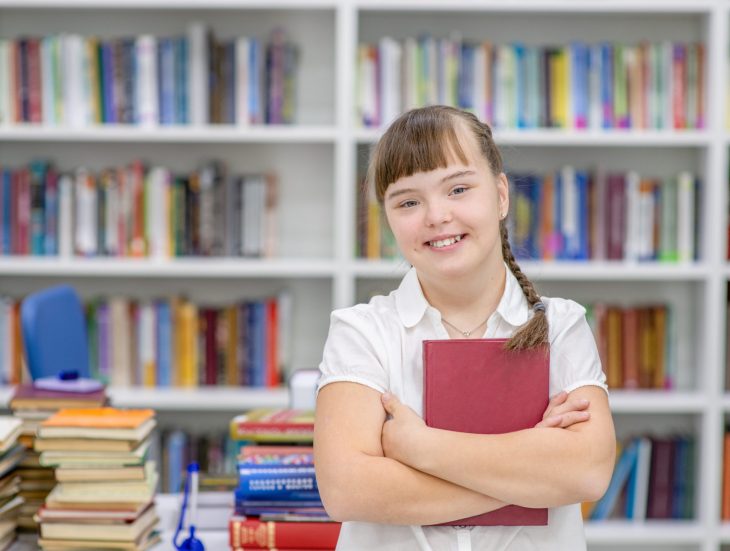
column 199, row 399
column 192, row 399
column 726, row 402
column 574, row 138
column 560, row 271
column 171, row 134
column 177, row 268
column 170, row 4
column 541, row 6
column 656, row 401
column 650, row 532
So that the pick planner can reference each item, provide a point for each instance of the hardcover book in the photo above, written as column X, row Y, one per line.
column 476, row 386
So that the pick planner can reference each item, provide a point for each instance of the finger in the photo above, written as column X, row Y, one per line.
column 573, row 418
column 389, row 402
column 572, row 405
column 555, row 401
column 552, row 421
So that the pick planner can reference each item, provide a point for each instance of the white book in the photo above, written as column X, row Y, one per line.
column 158, row 213
column 146, row 89
column 633, row 216
column 86, row 215
column 65, row 216
column 390, row 79
column 502, row 88
column 10, row 429
column 243, row 52
column 599, row 232
column 198, row 73
column 72, row 59
column 685, row 216
column 569, row 222
column 641, row 489
column 595, row 105
column 429, row 47
column 6, row 113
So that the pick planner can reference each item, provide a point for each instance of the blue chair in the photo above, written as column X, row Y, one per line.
column 54, row 333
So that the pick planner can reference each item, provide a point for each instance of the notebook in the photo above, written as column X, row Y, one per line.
column 476, row 386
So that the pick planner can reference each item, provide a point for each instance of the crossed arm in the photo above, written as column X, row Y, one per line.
column 403, row 472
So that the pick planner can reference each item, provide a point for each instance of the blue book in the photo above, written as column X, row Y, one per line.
column 254, row 81
column 521, row 84
column 180, row 46
column 166, row 82
column 466, row 77
column 50, row 222
column 37, row 207
column 277, row 483
column 107, row 80
column 176, row 444
column 621, row 472
column 164, row 343
column 607, row 85
column 581, row 179
column 257, row 343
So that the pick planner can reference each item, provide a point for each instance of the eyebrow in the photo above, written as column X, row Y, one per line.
column 452, row 176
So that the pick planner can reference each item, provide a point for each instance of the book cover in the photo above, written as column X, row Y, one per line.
column 254, row 534
column 274, row 425
column 476, row 386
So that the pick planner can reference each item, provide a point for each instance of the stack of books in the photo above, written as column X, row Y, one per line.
column 104, row 498
column 277, row 501
column 32, row 406
column 11, row 453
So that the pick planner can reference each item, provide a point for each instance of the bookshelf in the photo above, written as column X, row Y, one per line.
column 318, row 159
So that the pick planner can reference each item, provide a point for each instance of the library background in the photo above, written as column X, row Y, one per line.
column 194, row 170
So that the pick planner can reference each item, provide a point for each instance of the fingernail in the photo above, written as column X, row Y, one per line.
column 584, row 402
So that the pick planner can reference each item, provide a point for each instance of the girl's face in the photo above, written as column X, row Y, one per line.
column 446, row 221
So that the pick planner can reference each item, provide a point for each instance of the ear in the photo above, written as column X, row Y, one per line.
column 503, row 192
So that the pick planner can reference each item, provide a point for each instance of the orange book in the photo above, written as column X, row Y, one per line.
column 614, row 376
column 272, row 345
column 630, row 348
column 99, row 418
column 660, row 334
column 231, row 323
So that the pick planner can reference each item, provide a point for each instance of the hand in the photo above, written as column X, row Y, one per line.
column 402, row 430
column 563, row 411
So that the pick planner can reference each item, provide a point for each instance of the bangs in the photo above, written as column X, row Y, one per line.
column 419, row 141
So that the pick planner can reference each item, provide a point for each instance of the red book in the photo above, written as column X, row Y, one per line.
column 476, row 386
column 254, row 534
column 274, row 425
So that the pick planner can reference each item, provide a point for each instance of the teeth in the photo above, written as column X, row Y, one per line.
column 445, row 242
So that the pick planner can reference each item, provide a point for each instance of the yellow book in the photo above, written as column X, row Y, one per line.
column 92, row 74
column 559, row 92
column 373, row 224
column 189, row 345
column 231, row 320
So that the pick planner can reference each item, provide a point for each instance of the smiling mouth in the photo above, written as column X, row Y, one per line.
column 441, row 243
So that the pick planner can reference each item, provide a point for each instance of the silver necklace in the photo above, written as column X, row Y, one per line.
column 465, row 333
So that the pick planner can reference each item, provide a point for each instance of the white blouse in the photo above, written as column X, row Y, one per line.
column 379, row 345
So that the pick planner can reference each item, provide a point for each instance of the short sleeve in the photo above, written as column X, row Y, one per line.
column 354, row 351
column 574, row 359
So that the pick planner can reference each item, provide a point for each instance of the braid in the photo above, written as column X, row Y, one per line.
column 535, row 331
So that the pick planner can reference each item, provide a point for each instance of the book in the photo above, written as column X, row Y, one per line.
column 146, row 541
column 83, row 444
column 103, row 423
column 477, row 386
column 274, row 425
column 115, row 530
column 29, row 397
column 81, row 474
column 254, row 534
column 10, row 429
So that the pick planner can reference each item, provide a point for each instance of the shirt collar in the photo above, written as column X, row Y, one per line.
column 412, row 305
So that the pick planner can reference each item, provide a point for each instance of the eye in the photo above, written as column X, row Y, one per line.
column 459, row 190
column 407, row 204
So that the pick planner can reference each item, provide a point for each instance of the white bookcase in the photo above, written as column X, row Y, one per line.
column 318, row 159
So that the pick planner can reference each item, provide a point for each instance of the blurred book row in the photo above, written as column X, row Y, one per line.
column 77, row 81
column 579, row 215
column 171, row 342
column 575, row 86
column 136, row 211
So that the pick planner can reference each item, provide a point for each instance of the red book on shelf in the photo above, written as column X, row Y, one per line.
column 476, row 386
column 252, row 533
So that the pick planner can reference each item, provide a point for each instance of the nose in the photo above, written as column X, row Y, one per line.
column 438, row 212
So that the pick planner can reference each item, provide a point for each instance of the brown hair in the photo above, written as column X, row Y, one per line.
column 425, row 139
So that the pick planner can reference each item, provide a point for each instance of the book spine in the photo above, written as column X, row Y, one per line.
column 256, row 534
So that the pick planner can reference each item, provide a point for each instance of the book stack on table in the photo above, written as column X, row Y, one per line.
column 32, row 406
column 11, row 453
column 104, row 498
column 277, row 502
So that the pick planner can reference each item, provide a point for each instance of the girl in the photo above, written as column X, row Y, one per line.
column 380, row 469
